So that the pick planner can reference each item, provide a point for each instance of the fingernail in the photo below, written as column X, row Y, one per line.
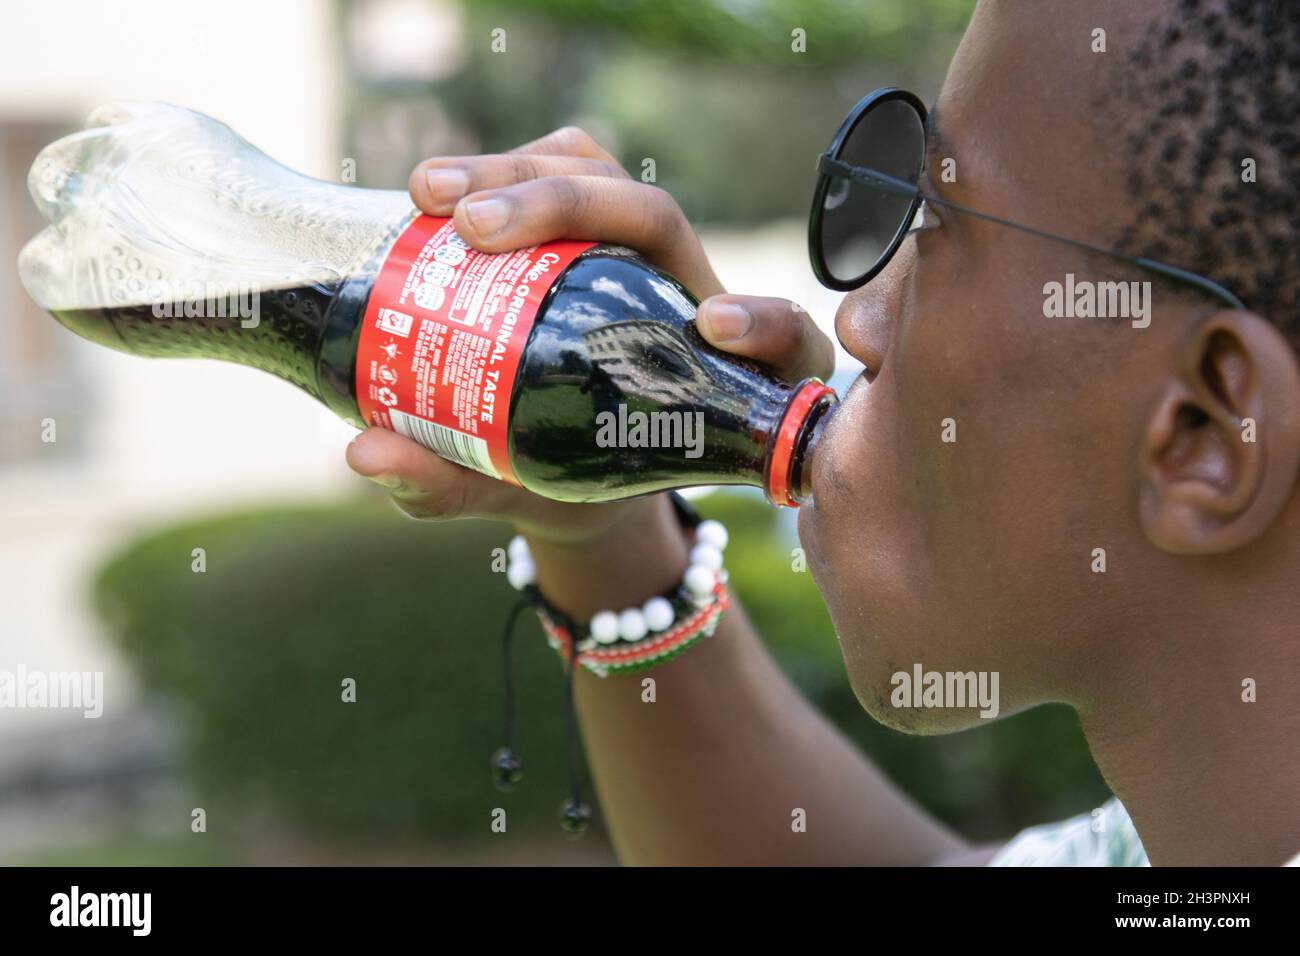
column 447, row 185
column 389, row 481
column 488, row 216
column 726, row 321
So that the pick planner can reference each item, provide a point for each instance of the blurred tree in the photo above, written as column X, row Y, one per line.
column 837, row 32
column 711, row 90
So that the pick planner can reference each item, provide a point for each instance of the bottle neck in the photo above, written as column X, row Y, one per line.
column 802, row 466
column 789, row 468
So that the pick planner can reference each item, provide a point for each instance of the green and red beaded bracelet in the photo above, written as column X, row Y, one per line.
column 638, row 637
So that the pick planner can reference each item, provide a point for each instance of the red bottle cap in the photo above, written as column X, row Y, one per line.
column 805, row 400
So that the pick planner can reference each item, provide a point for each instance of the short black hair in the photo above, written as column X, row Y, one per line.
column 1211, row 84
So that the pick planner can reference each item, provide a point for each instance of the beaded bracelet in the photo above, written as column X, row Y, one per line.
column 612, row 643
column 638, row 637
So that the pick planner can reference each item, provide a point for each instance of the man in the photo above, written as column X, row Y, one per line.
column 1164, row 452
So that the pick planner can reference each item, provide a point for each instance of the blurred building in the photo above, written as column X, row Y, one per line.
column 138, row 441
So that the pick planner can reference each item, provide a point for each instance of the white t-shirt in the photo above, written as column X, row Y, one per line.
column 1104, row 837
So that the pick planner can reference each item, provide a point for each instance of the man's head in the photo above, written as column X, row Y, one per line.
column 966, row 499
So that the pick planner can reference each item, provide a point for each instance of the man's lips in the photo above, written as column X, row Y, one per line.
column 863, row 380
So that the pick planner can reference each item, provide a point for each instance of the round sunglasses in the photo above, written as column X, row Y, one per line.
column 868, row 196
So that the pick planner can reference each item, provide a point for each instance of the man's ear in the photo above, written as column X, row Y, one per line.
column 1222, row 448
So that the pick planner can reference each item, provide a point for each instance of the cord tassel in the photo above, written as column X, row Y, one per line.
column 507, row 768
column 701, row 598
column 574, row 814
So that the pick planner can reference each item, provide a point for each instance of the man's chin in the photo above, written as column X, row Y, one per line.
column 874, row 693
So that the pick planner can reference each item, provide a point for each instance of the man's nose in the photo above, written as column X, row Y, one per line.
column 865, row 320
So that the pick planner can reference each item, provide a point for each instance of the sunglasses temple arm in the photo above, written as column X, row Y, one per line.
column 1191, row 278
column 902, row 188
column 830, row 166
column 882, row 182
column 1151, row 265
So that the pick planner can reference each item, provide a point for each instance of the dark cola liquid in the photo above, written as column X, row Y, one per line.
column 304, row 334
column 285, row 340
column 614, row 335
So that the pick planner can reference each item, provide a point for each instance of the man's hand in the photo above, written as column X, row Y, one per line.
column 565, row 186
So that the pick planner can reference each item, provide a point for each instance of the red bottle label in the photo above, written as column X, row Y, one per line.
column 442, row 338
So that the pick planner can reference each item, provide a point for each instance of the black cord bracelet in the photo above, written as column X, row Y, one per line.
column 699, row 617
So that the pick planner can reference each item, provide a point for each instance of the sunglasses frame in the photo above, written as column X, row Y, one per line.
column 816, row 251
column 829, row 166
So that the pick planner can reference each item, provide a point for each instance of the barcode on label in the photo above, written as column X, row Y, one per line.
column 450, row 444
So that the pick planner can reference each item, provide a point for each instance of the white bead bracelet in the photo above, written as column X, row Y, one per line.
column 656, row 626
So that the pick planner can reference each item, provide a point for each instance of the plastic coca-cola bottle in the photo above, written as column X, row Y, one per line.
column 572, row 369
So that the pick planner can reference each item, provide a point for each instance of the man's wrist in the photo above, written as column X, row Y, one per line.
column 641, row 554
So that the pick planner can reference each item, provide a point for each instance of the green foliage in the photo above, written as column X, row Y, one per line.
column 138, row 851
column 295, row 601
column 709, row 89
column 758, row 30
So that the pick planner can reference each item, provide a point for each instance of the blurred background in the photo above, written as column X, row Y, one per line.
column 221, row 689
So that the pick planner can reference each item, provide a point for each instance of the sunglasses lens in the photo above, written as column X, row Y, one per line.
column 860, row 225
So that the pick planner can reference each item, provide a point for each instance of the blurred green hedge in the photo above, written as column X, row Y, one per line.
column 292, row 602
